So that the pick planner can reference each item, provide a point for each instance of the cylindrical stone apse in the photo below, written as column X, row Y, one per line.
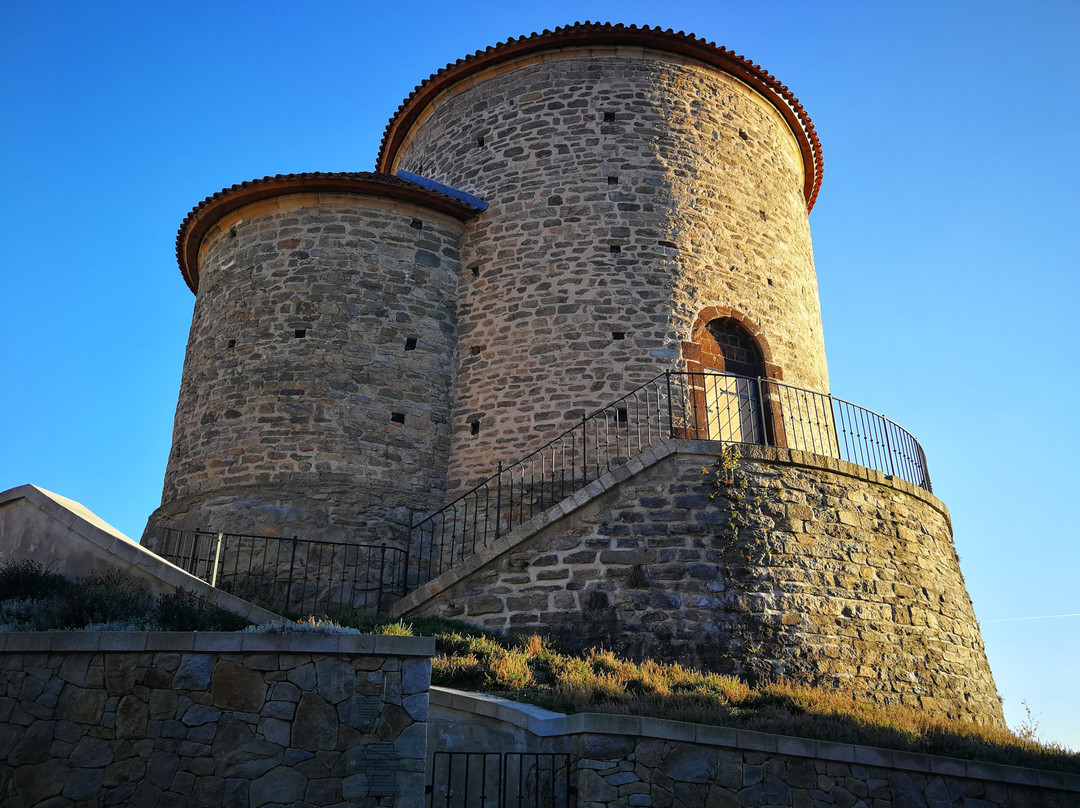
column 635, row 178
column 315, row 397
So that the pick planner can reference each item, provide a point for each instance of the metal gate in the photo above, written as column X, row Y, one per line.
column 500, row 780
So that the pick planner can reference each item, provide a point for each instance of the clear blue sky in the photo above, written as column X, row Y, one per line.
column 946, row 236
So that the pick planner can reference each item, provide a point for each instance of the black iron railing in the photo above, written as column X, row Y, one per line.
column 501, row 780
column 704, row 406
column 291, row 576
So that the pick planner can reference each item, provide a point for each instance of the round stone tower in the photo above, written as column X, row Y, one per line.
column 637, row 179
column 315, row 398
column 554, row 222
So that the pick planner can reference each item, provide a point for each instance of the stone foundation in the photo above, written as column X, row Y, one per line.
column 803, row 567
column 243, row 720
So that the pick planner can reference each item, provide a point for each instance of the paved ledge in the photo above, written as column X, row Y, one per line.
column 545, row 724
column 35, row 642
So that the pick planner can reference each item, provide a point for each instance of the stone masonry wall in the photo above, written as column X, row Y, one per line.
column 315, row 398
column 233, row 720
column 628, row 190
column 803, row 567
column 620, row 771
column 622, row 761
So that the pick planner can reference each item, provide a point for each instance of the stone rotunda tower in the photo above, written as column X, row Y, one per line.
column 602, row 227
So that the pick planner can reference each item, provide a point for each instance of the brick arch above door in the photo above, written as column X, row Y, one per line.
column 701, row 350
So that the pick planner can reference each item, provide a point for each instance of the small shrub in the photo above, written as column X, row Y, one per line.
column 184, row 611
column 105, row 597
column 315, row 625
column 29, row 580
column 457, row 671
column 509, row 671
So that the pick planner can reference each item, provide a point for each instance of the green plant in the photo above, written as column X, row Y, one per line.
column 1028, row 728
column 34, row 599
column 105, row 597
column 184, row 611
column 25, row 580
column 398, row 629
column 635, row 579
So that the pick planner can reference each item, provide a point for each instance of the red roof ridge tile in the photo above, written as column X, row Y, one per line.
column 582, row 32
column 202, row 217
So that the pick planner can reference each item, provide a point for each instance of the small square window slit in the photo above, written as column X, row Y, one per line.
column 397, row 417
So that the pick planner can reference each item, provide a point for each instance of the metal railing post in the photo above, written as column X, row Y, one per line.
column 193, row 558
column 498, row 502
column 888, row 446
column 584, row 452
column 217, row 559
column 764, row 440
column 382, row 566
column 405, row 556
column 670, row 414
column 292, row 571
column 835, row 430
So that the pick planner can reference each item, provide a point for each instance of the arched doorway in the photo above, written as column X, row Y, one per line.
column 727, row 362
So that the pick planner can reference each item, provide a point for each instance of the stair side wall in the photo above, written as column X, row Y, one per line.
column 835, row 576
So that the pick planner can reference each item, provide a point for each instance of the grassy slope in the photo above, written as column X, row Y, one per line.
column 532, row 671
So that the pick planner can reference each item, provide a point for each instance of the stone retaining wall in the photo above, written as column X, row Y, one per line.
column 624, row 761
column 200, row 719
column 804, row 567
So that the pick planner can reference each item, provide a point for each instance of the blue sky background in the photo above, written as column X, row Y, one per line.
column 946, row 236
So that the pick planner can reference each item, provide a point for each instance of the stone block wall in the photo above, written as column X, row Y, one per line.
column 241, row 720
column 629, row 190
column 315, row 399
column 805, row 568
column 620, row 771
column 629, row 761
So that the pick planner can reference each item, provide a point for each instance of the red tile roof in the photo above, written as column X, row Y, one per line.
column 606, row 34
column 211, row 210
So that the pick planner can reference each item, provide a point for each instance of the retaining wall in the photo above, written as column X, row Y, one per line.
column 804, row 567
column 198, row 719
column 63, row 536
column 624, row 761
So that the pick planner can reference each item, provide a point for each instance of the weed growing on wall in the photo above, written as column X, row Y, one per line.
column 729, row 487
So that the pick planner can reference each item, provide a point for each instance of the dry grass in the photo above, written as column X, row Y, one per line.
column 534, row 672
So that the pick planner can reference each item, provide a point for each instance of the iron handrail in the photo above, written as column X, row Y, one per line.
column 702, row 405
column 290, row 575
